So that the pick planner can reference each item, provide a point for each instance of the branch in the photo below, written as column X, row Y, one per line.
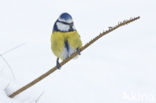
column 72, row 56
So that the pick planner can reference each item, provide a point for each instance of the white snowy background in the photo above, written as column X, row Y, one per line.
column 118, row 68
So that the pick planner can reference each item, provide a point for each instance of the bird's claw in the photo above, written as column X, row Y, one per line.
column 78, row 51
column 58, row 64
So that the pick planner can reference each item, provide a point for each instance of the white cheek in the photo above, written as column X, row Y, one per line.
column 62, row 27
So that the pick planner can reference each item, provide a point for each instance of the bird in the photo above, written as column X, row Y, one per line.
column 65, row 40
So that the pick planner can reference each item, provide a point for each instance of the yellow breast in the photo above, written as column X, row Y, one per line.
column 58, row 39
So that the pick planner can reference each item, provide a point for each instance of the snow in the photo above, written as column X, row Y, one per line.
column 6, row 88
column 118, row 68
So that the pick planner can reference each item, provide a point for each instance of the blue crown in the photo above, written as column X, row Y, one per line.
column 65, row 16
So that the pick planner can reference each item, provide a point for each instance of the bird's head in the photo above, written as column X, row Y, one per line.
column 64, row 23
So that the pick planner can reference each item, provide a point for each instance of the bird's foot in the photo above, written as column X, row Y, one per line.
column 58, row 64
column 78, row 51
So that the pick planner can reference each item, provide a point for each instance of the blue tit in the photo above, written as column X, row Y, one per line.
column 65, row 39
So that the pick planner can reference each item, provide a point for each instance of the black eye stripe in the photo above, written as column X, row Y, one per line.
column 70, row 24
